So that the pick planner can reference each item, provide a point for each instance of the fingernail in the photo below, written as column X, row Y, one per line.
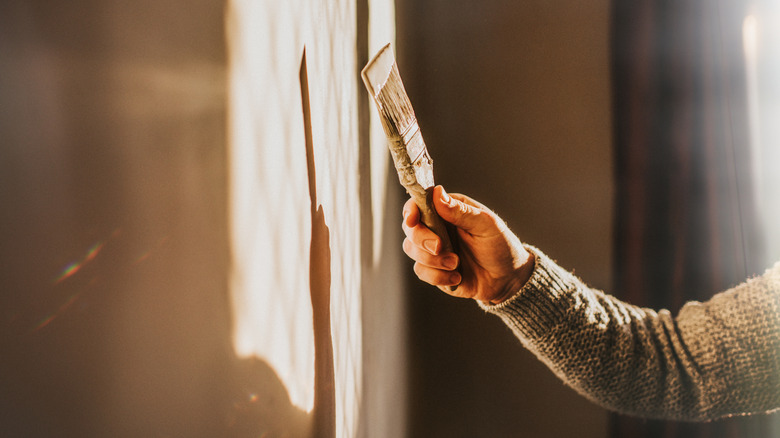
column 455, row 278
column 432, row 246
column 450, row 262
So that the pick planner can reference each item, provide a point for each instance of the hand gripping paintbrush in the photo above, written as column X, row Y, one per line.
column 410, row 155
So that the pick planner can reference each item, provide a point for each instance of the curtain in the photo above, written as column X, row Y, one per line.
column 685, row 217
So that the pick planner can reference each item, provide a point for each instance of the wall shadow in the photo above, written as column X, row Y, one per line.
column 258, row 404
column 324, row 413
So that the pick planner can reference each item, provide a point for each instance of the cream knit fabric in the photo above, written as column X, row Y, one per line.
column 713, row 359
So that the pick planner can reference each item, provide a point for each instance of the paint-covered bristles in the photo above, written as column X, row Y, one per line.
column 395, row 105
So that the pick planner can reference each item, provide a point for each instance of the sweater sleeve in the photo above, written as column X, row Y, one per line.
column 714, row 359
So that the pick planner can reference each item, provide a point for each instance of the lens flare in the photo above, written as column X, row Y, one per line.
column 143, row 257
column 76, row 266
column 47, row 320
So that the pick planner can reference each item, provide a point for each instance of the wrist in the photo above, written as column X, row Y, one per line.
column 517, row 280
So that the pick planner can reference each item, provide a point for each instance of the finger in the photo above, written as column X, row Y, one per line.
column 411, row 212
column 417, row 232
column 467, row 200
column 466, row 213
column 436, row 277
column 447, row 261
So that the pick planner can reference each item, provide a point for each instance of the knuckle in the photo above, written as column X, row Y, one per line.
column 418, row 270
column 407, row 246
column 424, row 273
column 464, row 209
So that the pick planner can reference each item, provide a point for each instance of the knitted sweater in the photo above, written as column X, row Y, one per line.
column 715, row 359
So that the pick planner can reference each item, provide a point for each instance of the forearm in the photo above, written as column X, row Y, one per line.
column 637, row 361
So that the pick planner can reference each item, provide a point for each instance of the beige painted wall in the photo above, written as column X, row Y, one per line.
column 315, row 293
column 513, row 99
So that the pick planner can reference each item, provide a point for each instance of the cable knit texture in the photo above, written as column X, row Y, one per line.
column 714, row 359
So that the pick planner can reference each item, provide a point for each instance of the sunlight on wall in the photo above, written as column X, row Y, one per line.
column 761, row 42
column 271, row 221
column 381, row 30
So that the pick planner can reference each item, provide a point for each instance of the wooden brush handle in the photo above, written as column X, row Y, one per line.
column 432, row 220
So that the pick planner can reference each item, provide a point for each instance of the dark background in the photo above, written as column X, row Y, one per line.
column 513, row 99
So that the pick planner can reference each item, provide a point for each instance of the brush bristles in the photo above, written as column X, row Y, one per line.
column 394, row 104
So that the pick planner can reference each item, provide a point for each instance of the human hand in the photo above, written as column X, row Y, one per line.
column 494, row 265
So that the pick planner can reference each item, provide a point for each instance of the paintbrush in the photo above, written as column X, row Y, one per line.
column 407, row 147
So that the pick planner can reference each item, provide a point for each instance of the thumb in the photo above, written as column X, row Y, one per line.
column 462, row 212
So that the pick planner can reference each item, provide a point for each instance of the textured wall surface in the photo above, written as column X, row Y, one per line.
column 308, row 189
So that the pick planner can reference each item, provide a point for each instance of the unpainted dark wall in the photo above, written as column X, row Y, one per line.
column 513, row 100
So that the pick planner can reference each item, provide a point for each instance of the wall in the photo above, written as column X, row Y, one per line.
column 193, row 222
column 762, row 61
column 316, row 294
column 513, row 99
column 112, row 170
